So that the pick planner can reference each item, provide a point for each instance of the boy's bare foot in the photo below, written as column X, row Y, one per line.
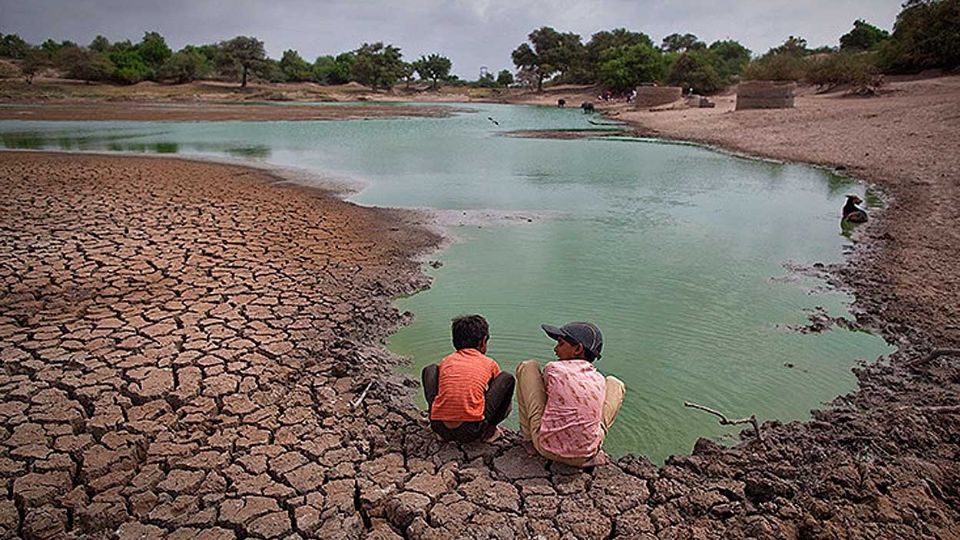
column 493, row 436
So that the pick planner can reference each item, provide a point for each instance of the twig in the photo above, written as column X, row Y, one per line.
column 356, row 403
column 934, row 354
column 724, row 421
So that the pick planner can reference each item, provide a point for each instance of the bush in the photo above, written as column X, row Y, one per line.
column 184, row 66
column 776, row 67
column 829, row 71
column 694, row 69
column 926, row 35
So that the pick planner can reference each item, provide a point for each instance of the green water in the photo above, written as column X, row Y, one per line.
column 675, row 251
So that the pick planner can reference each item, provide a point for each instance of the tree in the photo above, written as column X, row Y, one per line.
column 294, row 67
column 681, row 43
column 793, row 46
column 378, row 65
column 625, row 67
column 926, row 35
column 433, row 68
column 153, row 50
column 34, row 61
column 130, row 67
column 85, row 64
column 603, row 41
column 694, row 69
column 504, row 78
column 13, row 46
column 187, row 65
column 863, row 37
column 242, row 53
column 99, row 44
column 330, row 70
column 551, row 53
column 729, row 58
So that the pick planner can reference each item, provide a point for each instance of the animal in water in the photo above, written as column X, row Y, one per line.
column 561, row 103
column 587, row 106
column 490, row 118
column 853, row 213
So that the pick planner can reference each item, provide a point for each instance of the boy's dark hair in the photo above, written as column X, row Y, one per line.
column 469, row 331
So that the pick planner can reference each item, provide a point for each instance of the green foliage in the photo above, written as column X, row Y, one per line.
column 599, row 43
column 829, row 71
column 294, row 67
column 130, row 67
column 793, row 46
column 504, row 78
column 863, row 37
column 100, row 44
column 13, row 46
column 729, row 58
column 434, row 68
column 681, row 43
column 330, row 70
column 187, row 65
column 241, row 54
column 777, row 67
column 551, row 53
column 269, row 69
column 486, row 80
column 153, row 50
column 926, row 35
column 625, row 67
column 378, row 65
column 695, row 69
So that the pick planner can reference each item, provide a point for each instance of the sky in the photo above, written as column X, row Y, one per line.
column 473, row 34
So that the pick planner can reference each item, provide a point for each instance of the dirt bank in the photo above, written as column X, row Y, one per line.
column 176, row 358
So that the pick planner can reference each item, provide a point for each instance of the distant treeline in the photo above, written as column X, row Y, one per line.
column 926, row 35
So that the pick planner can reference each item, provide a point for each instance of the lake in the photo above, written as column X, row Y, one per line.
column 680, row 254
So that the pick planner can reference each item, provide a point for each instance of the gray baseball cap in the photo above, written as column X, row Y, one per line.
column 584, row 333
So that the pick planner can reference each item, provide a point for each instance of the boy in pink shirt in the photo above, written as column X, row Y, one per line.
column 566, row 411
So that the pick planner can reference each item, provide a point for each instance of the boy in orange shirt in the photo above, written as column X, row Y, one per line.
column 467, row 394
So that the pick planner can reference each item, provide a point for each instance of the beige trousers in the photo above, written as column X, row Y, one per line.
column 532, row 400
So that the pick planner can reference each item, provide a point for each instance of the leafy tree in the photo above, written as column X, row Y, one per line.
column 681, row 43
column 729, row 58
column 854, row 68
column 926, row 35
column 294, row 67
column 378, row 65
column 330, row 70
column 504, row 78
column 433, row 68
column 187, row 65
column 130, row 67
column 486, row 80
column 551, row 53
column 625, row 67
column 602, row 41
column 34, row 61
column 269, row 69
column 13, row 46
column 243, row 54
column 121, row 46
column 694, row 69
column 863, row 37
column 153, row 50
column 776, row 67
column 793, row 46
column 100, row 44
column 407, row 74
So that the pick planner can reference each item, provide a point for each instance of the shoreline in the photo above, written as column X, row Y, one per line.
column 407, row 484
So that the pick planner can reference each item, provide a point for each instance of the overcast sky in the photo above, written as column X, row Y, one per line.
column 471, row 33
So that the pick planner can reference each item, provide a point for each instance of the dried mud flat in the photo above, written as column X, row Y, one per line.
column 182, row 343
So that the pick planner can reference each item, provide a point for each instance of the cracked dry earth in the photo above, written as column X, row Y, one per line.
column 182, row 344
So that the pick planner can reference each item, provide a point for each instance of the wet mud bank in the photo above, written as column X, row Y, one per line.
column 192, row 349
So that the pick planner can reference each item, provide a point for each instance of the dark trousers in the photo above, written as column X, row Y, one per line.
column 497, row 404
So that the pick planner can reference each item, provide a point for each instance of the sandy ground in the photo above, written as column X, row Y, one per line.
column 177, row 360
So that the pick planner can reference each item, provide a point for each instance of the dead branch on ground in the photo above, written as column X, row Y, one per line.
column 724, row 421
column 934, row 354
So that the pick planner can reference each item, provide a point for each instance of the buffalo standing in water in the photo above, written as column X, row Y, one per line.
column 853, row 213
column 587, row 106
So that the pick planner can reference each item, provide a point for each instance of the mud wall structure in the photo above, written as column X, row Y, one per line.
column 653, row 96
column 765, row 95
